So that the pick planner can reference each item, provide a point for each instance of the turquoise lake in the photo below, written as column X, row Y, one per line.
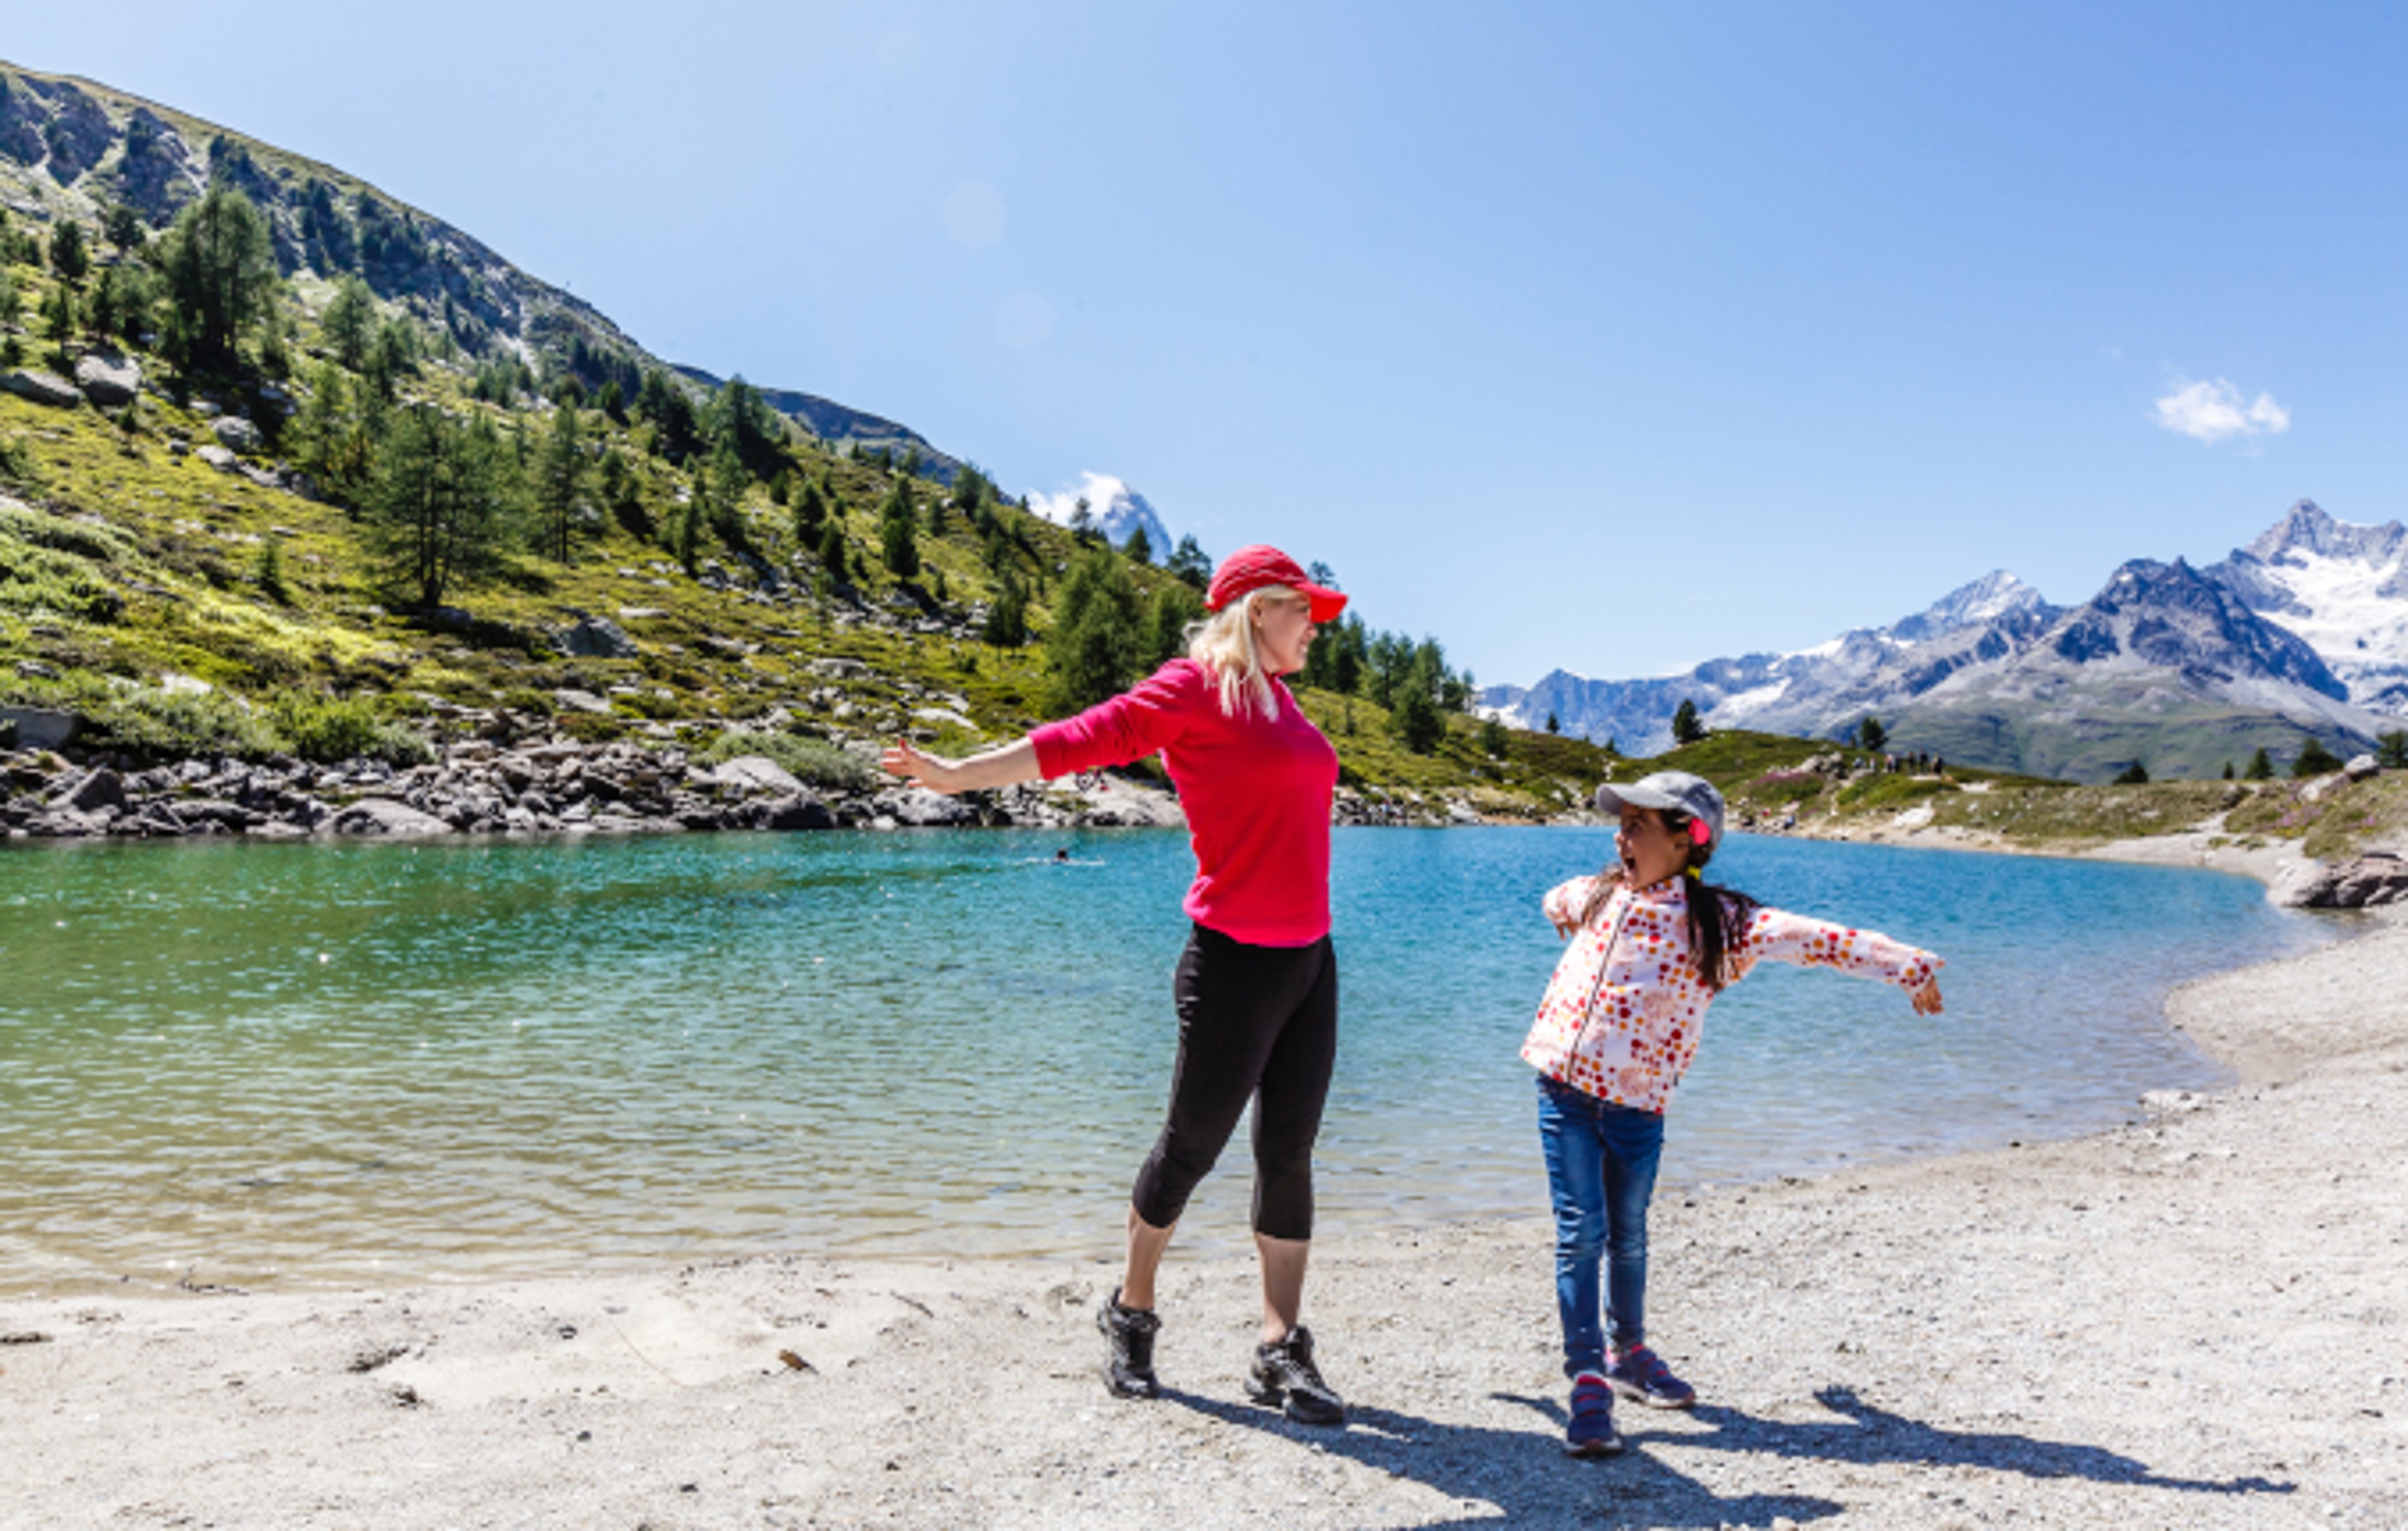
column 275, row 1063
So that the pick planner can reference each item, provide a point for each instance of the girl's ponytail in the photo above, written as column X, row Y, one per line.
column 1716, row 915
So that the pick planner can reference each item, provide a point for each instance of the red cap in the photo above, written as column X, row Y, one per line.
column 1250, row 569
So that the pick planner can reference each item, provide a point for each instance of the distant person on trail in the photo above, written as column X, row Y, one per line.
column 1652, row 944
column 1256, row 989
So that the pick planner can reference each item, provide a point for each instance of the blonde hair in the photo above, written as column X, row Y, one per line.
column 1224, row 643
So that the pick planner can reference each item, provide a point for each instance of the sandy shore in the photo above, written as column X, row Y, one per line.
column 2197, row 1320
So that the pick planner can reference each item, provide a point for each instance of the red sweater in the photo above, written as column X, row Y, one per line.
column 1257, row 790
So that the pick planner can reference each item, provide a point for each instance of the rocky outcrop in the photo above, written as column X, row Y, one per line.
column 236, row 432
column 109, row 379
column 2374, row 878
column 41, row 388
column 595, row 637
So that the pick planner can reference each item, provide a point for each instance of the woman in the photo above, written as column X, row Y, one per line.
column 1256, row 988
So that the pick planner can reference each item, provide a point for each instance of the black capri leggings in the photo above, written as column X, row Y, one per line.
column 1255, row 1023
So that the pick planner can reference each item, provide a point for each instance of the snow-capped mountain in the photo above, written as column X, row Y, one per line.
column 1795, row 692
column 2343, row 589
column 2304, row 632
column 1117, row 509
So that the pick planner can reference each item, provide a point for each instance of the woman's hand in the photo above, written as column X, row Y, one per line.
column 934, row 772
column 989, row 769
column 1926, row 999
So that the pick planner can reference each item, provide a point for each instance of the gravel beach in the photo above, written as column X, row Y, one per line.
column 2195, row 1319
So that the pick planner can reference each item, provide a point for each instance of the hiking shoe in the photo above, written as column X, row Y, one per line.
column 1641, row 1375
column 1589, row 1431
column 1129, row 1373
column 1284, row 1374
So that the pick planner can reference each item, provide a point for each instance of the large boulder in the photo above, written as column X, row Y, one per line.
column 2376, row 878
column 95, row 789
column 595, row 637
column 219, row 458
column 384, row 816
column 38, row 727
column 798, row 813
column 236, row 432
column 107, row 379
column 757, row 774
column 41, row 387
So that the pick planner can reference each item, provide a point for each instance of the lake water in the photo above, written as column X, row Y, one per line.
column 260, row 1064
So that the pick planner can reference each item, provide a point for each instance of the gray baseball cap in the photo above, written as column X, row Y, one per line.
column 1675, row 790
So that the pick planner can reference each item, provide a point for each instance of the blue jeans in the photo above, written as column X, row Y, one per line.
column 1601, row 1174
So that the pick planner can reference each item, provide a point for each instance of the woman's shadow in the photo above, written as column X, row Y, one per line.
column 1522, row 1474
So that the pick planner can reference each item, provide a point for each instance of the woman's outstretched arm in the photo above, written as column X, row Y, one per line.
column 1000, row 766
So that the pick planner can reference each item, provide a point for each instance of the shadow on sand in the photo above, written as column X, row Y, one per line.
column 1524, row 1477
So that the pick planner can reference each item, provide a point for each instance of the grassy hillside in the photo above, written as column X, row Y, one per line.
column 189, row 609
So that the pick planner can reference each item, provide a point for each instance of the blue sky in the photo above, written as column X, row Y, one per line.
column 1601, row 337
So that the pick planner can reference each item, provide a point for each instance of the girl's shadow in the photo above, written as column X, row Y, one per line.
column 1521, row 1473
column 1524, row 1475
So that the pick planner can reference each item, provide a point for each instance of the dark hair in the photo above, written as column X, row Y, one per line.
column 1716, row 912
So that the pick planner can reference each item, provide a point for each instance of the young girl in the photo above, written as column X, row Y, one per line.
column 1651, row 946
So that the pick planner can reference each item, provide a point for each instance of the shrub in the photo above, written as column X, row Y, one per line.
column 813, row 761
column 150, row 723
column 327, row 730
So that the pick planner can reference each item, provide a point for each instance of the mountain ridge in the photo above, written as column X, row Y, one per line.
column 2172, row 667
column 116, row 146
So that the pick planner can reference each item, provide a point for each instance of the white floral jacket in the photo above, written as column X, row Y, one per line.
column 1621, row 1016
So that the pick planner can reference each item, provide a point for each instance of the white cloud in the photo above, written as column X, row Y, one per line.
column 1097, row 489
column 2214, row 411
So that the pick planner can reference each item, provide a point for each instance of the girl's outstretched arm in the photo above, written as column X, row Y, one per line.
column 1795, row 938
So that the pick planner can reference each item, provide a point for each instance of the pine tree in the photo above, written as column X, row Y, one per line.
column 1416, row 720
column 349, row 323
column 1492, row 741
column 1093, row 650
column 1686, row 729
column 1006, row 618
column 559, row 483
column 436, row 507
column 1174, row 609
column 2134, row 775
column 1187, row 561
column 2315, row 759
column 899, row 542
column 833, row 559
column 1554, row 725
column 268, row 572
column 69, row 257
column 2261, row 766
column 2392, row 749
column 1871, row 734
column 220, row 275
column 811, row 512
column 720, row 488
column 1140, row 547
column 124, row 226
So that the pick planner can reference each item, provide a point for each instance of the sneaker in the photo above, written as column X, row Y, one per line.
column 1284, row 1374
column 1589, row 1431
column 1130, row 1371
column 1641, row 1375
